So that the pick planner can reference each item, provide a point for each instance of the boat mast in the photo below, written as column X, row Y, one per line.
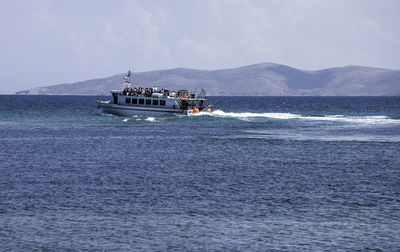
column 127, row 78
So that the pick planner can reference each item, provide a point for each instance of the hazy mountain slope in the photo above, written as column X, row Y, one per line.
column 259, row 79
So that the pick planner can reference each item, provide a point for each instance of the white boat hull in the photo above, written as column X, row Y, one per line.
column 120, row 110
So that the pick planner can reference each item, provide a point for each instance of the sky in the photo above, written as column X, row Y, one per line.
column 46, row 42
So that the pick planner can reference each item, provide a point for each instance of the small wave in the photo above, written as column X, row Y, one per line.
column 308, row 137
column 286, row 116
column 136, row 119
column 105, row 114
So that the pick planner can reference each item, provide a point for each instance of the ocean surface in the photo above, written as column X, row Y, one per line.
column 257, row 174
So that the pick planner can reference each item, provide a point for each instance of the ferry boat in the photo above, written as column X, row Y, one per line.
column 129, row 101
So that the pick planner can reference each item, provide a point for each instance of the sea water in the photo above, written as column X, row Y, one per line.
column 258, row 173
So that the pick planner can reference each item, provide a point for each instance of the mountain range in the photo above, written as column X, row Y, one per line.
column 265, row 79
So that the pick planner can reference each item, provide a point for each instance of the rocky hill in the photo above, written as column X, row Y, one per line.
column 264, row 79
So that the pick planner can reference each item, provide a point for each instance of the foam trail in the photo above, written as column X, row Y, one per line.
column 250, row 114
column 150, row 119
column 285, row 116
column 357, row 119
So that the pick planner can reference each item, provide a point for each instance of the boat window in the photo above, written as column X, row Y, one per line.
column 141, row 101
column 155, row 102
column 134, row 100
column 162, row 102
column 148, row 102
column 128, row 100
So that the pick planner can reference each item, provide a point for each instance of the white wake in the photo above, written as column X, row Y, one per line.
column 286, row 116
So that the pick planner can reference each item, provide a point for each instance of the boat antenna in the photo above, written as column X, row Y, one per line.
column 202, row 93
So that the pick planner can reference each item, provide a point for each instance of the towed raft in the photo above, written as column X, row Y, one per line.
column 144, row 101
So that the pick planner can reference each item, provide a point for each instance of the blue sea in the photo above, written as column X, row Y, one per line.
column 256, row 174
